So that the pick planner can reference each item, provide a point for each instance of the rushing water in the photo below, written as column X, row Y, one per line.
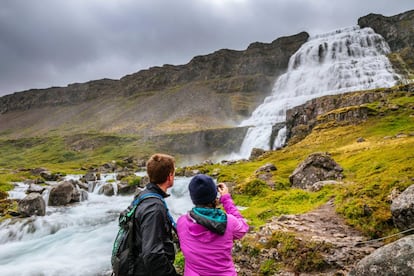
column 345, row 60
column 71, row 240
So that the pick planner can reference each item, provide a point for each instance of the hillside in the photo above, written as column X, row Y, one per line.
column 210, row 92
column 375, row 152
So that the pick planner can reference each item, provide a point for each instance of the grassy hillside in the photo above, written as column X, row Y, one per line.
column 373, row 168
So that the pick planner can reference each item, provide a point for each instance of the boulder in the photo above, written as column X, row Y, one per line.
column 126, row 189
column 107, row 189
column 402, row 209
column 32, row 204
column 63, row 193
column 317, row 167
column 256, row 153
column 392, row 259
column 90, row 176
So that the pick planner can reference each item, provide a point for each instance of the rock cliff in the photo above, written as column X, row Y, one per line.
column 398, row 31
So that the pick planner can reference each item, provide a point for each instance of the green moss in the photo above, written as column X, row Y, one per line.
column 297, row 254
column 269, row 267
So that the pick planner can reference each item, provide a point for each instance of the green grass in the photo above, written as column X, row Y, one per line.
column 372, row 169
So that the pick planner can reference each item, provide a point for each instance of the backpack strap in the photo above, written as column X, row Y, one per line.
column 140, row 198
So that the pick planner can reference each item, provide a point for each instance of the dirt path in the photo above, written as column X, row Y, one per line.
column 323, row 224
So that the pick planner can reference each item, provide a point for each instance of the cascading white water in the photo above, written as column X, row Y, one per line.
column 345, row 60
column 71, row 240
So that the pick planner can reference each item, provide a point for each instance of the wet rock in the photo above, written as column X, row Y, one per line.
column 107, row 189
column 63, row 193
column 33, row 188
column 32, row 204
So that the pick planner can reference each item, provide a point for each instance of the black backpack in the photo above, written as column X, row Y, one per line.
column 121, row 255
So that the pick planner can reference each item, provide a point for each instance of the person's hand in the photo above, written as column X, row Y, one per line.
column 222, row 189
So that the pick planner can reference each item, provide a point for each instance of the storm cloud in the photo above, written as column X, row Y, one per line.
column 48, row 43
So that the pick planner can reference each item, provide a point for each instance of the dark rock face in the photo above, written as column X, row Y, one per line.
column 397, row 30
column 301, row 119
column 253, row 69
column 32, row 204
column 222, row 141
column 402, row 209
column 317, row 167
column 393, row 259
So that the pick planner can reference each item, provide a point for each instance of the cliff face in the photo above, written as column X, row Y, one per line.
column 398, row 31
column 224, row 71
column 212, row 91
column 348, row 108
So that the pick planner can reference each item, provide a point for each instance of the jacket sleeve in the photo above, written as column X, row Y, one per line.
column 153, row 231
column 241, row 227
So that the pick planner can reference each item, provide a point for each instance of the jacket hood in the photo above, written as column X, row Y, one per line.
column 213, row 219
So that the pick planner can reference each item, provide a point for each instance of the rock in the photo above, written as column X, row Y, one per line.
column 32, row 204
column 63, row 193
column 317, row 186
column 402, row 209
column 392, row 259
column 33, row 188
column 90, row 176
column 255, row 153
column 107, row 189
column 317, row 167
column 360, row 140
column 49, row 176
column 121, row 175
column 125, row 189
column 266, row 168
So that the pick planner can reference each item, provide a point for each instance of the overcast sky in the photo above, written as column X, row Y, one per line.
column 46, row 43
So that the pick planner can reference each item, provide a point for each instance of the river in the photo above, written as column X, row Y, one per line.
column 71, row 240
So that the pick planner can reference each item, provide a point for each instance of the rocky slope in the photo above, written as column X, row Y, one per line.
column 210, row 91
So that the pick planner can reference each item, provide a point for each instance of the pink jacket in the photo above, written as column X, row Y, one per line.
column 205, row 252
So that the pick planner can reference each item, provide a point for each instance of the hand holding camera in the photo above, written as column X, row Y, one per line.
column 222, row 189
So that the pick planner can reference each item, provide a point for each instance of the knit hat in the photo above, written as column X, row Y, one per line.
column 202, row 189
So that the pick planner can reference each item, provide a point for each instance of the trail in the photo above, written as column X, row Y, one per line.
column 323, row 225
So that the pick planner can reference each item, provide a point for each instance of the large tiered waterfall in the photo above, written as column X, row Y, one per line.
column 345, row 60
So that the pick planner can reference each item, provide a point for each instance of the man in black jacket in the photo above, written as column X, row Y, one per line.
column 154, row 248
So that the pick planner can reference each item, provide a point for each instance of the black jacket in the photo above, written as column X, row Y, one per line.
column 154, row 247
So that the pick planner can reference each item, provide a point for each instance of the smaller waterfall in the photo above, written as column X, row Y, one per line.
column 345, row 60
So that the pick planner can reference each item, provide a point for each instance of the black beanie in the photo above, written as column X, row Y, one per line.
column 202, row 189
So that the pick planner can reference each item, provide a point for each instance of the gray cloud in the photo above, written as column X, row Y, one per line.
column 47, row 43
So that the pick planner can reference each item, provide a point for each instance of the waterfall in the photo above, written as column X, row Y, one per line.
column 345, row 60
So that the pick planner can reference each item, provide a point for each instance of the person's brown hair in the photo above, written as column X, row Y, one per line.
column 159, row 166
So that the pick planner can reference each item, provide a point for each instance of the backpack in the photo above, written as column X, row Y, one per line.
column 121, row 255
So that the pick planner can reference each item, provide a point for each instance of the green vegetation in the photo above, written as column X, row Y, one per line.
column 373, row 168
column 297, row 254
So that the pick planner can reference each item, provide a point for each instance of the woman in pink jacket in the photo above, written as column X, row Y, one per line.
column 206, row 233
